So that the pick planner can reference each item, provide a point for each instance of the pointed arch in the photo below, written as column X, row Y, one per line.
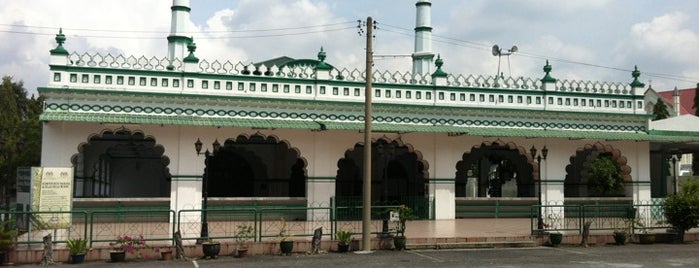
column 492, row 164
column 257, row 165
column 111, row 163
column 576, row 171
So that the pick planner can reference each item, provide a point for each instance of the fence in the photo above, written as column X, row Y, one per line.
column 601, row 217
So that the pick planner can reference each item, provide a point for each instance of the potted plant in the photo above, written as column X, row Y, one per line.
column 127, row 244
column 286, row 244
column 682, row 209
column 211, row 248
column 244, row 233
column 77, row 247
column 644, row 237
column 405, row 214
column 556, row 238
column 344, row 238
column 621, row 233
column 165, row 254
column 8, row 237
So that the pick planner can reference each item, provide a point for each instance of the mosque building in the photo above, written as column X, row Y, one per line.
column 164, row 130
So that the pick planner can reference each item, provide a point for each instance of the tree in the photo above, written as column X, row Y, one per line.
column 604, row 177
column 695, row 156
column 660, row 110
column 682, row 209
column 20, row 132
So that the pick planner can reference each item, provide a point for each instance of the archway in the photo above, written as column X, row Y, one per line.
column 399, row 176
column 121, row 163
column 256, row 166
column 496, row 169
column 576, row 183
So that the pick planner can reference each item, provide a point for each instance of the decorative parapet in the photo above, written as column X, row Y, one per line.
column 108, row 72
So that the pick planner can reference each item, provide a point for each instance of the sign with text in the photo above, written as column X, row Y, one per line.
column 52, row 190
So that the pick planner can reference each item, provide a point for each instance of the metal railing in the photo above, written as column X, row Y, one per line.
column 601, row 217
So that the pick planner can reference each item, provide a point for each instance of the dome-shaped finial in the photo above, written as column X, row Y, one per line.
column 635, row 74
column 321, row 54
column 439, row 72
column 191, row 47
column 547, row 77
column 60, row 39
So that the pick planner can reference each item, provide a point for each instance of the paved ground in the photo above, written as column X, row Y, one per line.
column 656, row 255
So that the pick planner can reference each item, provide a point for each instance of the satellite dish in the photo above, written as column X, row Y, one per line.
column 496, row 50
column 514, row 49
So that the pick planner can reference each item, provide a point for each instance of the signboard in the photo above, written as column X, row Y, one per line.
column 52, row 190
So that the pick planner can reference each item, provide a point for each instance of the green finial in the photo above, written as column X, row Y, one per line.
column 635, row 74
column 548, row 78
column 439, row 72
column 191, row 47
column 321, row 54
column 321, row 57
column 60, row 39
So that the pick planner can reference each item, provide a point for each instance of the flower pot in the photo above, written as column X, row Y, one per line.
column 77, row 258
column 166, row 255
column 342, row 247
column 117, row 256
column 620, row 238
column 241, row 253
column 286, row 247
column 556, row 239
column 399, row 242
column 211, row 249
column 646, row 238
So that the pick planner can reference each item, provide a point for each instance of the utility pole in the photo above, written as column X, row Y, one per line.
column 366, row 209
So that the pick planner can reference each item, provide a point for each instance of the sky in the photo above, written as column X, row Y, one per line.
column 590, row 40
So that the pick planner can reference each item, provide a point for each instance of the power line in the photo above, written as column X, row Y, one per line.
column 185, row 32
column 480, row 46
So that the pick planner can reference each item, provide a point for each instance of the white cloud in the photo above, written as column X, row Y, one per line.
column 667, row 35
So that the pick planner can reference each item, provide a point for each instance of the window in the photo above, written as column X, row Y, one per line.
column 297, row 89
column 345, row 91
column 322, row 90
column 509, row 99
column 428, row 95
column 217, row 85
column 519, row 99
column 501, row 99
column 263, row 87
column 481, row 98
column 398, row 94
column 441, row 95
column 190, row 83
column 142, row 81
column 377, row 93
column 73, row 78
column 583, row 102
column 529, row 100
column 57, row 77
column 97, row 79
column 408, row 95
column 229, row 85
column 85, row 78
column 204, row 84
column 538, row 100
column 452, row 96
column 387, row 93
column 575, row 102
column 550, row 100
column 275, row 88
column 462, row 97
column 336, row 91
column 567, row 101
column 253, row 86
column 491, row 98
column 418, row 95
column 639, row 104
column 163, row 82
column 132, row 81
column 309, row 90
column 472, row 97
column 120, row 80
column 286, row 88
column 176, row 83
column 241, row 86
column 356, row 91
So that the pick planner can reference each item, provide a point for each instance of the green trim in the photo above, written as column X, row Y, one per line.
column 180, row 8
column 673, row 133
column 423, row 29
column 176, row 39
column 187, row 177
column 423, row 4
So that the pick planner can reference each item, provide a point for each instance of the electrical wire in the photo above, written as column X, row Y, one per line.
column 480, row 46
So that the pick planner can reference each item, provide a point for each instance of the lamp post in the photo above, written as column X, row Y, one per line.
column 544, row 153
column 675, row 158
column 205, row 181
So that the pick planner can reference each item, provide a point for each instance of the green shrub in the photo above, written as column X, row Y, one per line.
column 77, row 246
column 345, row 237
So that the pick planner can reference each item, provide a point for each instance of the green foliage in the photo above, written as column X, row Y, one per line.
column 660, row 110
column 77, row 246
column 244, row 233
column 605, row 176
column 682, row 209
column 8, row 235
column 405, row 213
column 20, row 130
column 345, row 237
